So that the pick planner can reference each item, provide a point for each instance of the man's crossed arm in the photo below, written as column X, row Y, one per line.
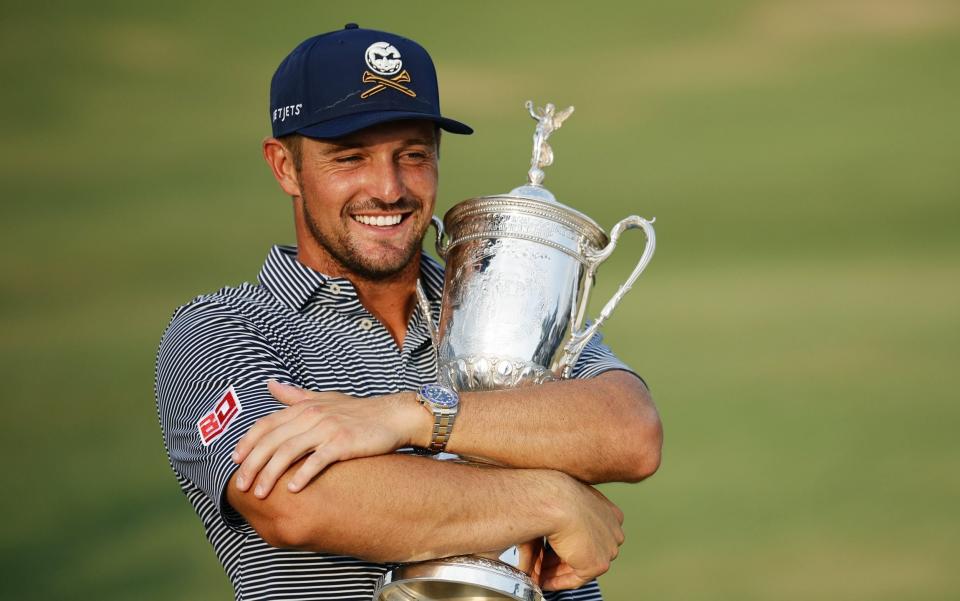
column 603, row 429
column 394, row 508
column 385, row 507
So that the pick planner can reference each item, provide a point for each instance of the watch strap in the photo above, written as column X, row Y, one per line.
column 442, row 426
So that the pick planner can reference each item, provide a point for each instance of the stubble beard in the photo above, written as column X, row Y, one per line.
column 377, row 266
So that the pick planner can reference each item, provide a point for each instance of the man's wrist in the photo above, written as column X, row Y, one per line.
column 418, row 422
column 557, row 490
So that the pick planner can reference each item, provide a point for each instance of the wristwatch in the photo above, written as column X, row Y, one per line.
column 443, row 403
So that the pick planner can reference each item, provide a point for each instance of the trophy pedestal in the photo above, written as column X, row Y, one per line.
column 463, row 578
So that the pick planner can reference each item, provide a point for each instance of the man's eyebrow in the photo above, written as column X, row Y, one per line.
column 420, row 142
column 335, row 147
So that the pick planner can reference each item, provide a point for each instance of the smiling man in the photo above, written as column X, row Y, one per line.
column 293, row 409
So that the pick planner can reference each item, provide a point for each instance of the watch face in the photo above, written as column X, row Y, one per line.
column 440, row 395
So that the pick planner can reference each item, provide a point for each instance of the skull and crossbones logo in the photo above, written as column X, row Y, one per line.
column 384, row 60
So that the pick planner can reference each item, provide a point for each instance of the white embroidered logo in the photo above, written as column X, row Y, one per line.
column 383, row 58
column 286, row 111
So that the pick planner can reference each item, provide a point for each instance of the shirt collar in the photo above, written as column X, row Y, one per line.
column 293, row 283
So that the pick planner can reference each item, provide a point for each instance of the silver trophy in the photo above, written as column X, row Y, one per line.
column 519, row 270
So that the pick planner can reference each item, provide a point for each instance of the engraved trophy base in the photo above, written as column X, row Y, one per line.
column 463, row 578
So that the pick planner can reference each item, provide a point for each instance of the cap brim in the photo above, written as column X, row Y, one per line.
column 336, row 128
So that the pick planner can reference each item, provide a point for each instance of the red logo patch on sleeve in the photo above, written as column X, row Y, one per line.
column 215, row 423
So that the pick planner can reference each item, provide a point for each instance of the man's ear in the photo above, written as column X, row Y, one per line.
column 282, row 165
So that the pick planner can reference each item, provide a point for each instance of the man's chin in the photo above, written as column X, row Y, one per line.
column 373, row 267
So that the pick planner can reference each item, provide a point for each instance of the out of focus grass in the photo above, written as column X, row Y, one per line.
column 797, row 324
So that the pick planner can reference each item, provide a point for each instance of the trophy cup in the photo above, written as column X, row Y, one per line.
column 519, row 269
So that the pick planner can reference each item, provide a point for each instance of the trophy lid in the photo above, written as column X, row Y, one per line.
column 534, row 192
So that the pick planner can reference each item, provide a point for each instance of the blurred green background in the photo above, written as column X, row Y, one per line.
column 796, row 325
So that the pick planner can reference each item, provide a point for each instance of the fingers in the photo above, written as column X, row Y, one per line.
column 616, row 529
column 558, row 575
column 561, row 576
column 311, row 468
column 619, row 513
column 261, row 428
column 564, row 576
column 563, row 582
column 288, row 394
column 285, row 455
column 325, row 427
column 587, row 548
column 284, row 441
column 613, row 508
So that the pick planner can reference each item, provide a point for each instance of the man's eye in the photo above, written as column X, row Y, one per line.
column 417, row 155
column 350, row 158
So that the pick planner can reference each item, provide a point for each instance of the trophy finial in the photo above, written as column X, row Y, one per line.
column 548, row 120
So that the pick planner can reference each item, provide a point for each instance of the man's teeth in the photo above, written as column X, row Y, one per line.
column 379, row 220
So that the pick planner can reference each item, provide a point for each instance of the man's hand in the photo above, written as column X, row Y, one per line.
column 326, row 427
column 587, row 541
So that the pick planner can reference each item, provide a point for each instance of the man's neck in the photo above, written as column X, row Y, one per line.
column 391, row 300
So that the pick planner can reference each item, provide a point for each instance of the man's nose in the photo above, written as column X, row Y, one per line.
column 385, row 181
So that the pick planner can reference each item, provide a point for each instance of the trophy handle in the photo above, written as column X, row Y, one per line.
column 440, row 244
column 579, row 339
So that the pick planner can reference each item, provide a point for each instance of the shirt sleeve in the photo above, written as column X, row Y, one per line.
column 597, row 358
column 211, row 386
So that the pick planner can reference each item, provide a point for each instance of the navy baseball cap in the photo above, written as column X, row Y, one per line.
column 340, row 82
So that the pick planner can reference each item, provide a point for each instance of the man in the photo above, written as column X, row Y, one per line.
column 283, row 404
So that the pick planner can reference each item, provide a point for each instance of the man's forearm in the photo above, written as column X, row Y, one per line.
column 405, row 508
column 598, row 430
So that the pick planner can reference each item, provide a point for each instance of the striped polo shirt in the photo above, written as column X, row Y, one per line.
column 301, row 327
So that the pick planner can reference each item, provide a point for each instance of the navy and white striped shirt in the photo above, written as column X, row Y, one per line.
column 301, row 327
